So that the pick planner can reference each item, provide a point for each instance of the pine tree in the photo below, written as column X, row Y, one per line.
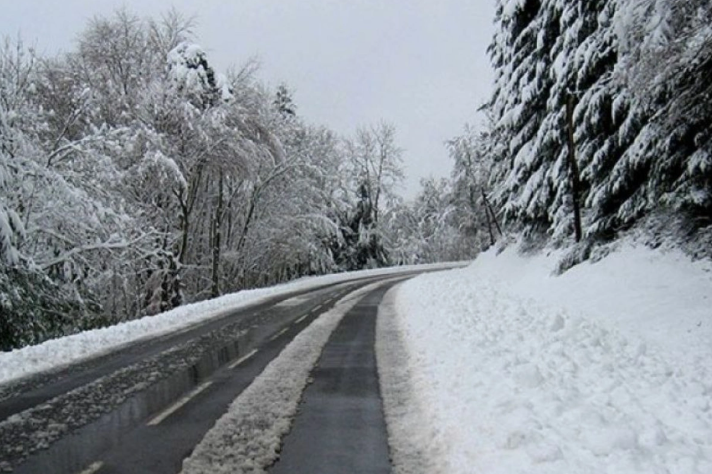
column 284, row 103
column 520, row 53
column 666, row 66
column 574, row 58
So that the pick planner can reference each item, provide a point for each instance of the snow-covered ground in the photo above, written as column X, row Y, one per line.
column 604, row 369
column 499, row 367
column 60, row 352
column 414, row 445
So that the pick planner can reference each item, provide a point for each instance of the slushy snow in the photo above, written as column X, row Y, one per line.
column 603, row 369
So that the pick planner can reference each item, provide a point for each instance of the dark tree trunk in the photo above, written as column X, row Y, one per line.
column 490, row 214
column 575, row 179
column 217, row 233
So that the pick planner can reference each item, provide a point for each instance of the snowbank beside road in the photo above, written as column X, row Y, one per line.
column 414, row 443
column 602, row 369
column 60, row 352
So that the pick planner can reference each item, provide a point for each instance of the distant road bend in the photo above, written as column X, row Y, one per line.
column 143, row 408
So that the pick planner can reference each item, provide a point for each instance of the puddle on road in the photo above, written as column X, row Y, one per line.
column 75, row 451
column 294, row 301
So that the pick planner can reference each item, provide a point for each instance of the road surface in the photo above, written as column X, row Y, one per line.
column 341, row 427
column 144, row 408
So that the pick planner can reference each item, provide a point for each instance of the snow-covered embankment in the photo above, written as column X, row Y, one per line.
column 602, row 369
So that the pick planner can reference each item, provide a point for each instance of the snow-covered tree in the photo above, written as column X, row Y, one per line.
column 430, row 228
column 45, row 216
column 15, row 80
column 634, row 73
column 666, row 59
column 283, row 101
column 375, row 162
column 471, row 177
column 135, row 177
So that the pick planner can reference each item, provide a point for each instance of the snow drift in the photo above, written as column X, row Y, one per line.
column 602, row 369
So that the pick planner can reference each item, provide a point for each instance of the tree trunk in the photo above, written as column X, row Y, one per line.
column 489, row 226
column 575, row 179
column 185, row 228
column 217, row 232
column 238, row 273
column 492, row 215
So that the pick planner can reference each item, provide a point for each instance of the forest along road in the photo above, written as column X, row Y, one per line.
column 143, row 408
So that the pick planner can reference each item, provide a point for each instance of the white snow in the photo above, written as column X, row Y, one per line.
column 60, row 352
column 415, row 446
column 604, row 369
column 510, row 7
column 247, row 438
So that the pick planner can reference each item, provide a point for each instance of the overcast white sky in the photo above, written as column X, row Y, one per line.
column 420, row 64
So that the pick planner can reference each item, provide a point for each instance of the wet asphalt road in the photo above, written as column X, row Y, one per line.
column 340, row 427
column 143, row 408
column 97, row 412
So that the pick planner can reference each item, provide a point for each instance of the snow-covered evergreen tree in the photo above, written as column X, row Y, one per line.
column 521, row 55
column 666, row 60
column 635, row 73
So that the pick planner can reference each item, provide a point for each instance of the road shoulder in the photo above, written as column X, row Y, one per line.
column 414, row 443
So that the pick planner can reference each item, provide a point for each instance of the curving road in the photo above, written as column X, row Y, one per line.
column 143, row 408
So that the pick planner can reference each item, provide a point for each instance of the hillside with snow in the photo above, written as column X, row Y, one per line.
column 602, row 369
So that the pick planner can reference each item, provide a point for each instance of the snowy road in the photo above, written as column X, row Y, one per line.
column 341, row 426
column 144, row 408
column 516, row 370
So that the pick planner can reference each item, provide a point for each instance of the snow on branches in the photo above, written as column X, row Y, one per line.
column 636, row 71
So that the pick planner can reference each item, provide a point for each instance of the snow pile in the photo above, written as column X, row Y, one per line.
column 247, row 438
column 602, row 369
column 413, row 443
column 63, row 351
